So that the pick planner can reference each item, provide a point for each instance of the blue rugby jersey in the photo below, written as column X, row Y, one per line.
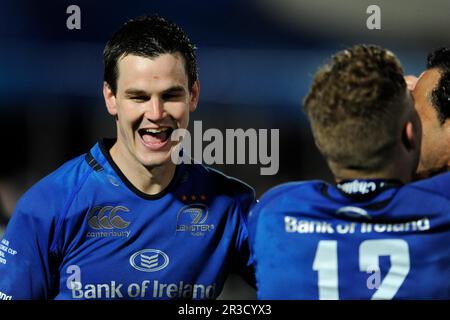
column 362, row 239
column 85, row 232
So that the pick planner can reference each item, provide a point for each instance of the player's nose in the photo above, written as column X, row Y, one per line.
column 154, row 110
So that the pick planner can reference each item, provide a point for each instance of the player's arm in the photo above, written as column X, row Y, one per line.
column 25, row 268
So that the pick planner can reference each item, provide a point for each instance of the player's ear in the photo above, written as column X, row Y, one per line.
column 411, row 81
column 411, row 136
column 412, row 129
column 110, row 99
column 316, row 142
column 194, row 96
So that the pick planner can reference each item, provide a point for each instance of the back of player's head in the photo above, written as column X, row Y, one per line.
column 355, row 105
column 148, row 36
column 440, row 96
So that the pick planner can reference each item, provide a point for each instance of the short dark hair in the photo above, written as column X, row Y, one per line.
column 148, row 36
column 354, row 105
column 440, row 96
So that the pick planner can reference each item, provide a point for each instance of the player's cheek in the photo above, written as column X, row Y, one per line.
column 180, row 113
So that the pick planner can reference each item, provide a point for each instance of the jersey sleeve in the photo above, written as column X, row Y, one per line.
column 251, row 225
column 244, row 265
column 25, row 259
column 255, row 212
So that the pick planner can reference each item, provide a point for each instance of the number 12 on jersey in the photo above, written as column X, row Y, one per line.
column 326, row 264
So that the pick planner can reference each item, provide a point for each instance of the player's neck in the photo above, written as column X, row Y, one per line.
column 400, row 168
column 151, row 181
column 387, row 174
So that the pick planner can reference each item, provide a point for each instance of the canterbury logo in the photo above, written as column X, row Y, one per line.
column 107, row 218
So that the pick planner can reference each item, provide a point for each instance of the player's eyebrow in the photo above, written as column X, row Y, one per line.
column 135, row 92
column 140, row 92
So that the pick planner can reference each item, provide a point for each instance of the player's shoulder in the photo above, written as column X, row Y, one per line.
column 286, row 194
column 438, row 185
column 292, row 190
column 222, row 182
column 54, row 189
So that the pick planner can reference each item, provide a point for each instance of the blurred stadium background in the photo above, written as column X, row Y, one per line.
column 256, row 60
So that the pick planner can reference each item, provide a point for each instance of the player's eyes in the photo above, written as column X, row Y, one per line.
column 165, row 97
column 172, row 96
column 139, row 98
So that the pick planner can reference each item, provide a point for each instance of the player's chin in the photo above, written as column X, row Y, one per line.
column 156, row 158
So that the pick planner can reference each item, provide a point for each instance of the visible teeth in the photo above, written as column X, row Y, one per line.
column 156, row 130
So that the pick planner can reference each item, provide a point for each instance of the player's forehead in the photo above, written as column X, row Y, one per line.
column 162, row 71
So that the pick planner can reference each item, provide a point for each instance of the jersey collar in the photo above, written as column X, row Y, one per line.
column 362, row 189
column 100, row 159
